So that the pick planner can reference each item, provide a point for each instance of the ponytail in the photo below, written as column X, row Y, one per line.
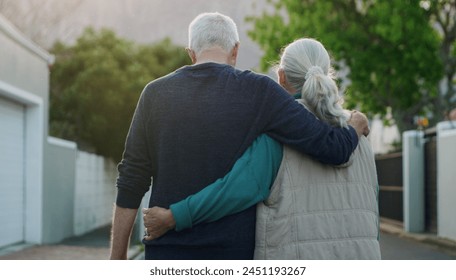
column 321, row 96
column 306, row 64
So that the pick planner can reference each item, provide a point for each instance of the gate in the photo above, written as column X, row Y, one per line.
column 389, row 172
column 430, row 181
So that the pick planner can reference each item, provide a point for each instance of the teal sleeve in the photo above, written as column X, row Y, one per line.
column 246, row 184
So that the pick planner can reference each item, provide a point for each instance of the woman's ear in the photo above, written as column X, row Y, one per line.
column 282, row 78
column 284, row 82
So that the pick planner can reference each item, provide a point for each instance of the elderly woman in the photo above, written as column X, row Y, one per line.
column 312, row 210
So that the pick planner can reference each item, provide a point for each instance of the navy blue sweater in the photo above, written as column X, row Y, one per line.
column 190, row 127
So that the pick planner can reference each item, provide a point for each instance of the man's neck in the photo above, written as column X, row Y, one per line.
column 216, row 55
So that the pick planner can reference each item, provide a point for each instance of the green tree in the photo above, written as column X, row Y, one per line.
column 390, row 47
column 96, row 83
column 442, row 14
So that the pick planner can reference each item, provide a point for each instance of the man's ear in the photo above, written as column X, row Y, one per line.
column 191, row 54
column 234, row 54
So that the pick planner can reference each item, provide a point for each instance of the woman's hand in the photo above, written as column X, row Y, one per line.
column 157, row 221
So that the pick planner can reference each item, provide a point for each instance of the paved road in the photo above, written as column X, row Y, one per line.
column 394, row 247
column 95, row 245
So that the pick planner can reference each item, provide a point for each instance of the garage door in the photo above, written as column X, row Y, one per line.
column 12, row 126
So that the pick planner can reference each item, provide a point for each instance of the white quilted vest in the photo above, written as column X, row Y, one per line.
column 317, row 211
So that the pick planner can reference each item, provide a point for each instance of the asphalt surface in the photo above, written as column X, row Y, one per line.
column 91, row 246
column 394, row 242
column 394, row 247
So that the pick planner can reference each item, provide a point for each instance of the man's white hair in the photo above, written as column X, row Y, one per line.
column 208, row 30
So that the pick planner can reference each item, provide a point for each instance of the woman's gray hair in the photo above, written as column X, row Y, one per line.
column 307, row 68
column 212, row 29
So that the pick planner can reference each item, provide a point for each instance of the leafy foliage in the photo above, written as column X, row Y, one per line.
column 389, row 47
column 442, row 14
column 96, row 83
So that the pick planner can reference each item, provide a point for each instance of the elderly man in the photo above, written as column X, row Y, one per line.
column 190, row 127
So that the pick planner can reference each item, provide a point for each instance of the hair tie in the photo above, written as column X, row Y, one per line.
column 314, row 70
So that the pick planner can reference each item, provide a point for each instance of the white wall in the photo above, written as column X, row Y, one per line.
column 54, row 175
column 24, row 78
column 58, row 190
column 79, row 191
column 95, row 192
column 382, row 137
column 413, row 180
column 446, row 179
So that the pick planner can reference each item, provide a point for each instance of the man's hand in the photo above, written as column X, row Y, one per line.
column 360, row 123
column 157, row 222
